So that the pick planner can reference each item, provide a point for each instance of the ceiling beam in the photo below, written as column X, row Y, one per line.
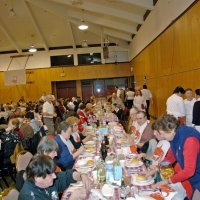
column 36, row 25
column 105, row 10
column 10, row 38
column 72, row 34
column 59, row 10
column 108, row 23
column 117, row 34
column 99, row 31
column 146, row 4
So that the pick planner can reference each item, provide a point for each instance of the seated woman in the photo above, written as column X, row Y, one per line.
column 88, row 109
column 67, row 152
column 184, row 152
column 82, row 113
column 132, row 122
column 77, row 138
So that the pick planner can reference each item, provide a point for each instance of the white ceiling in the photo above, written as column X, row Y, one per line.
column 53, row 23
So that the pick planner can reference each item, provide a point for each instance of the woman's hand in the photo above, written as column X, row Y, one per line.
column 80, row 150
column 150, row 173
column 141, row 155
column 78, row 194
column 157, row 185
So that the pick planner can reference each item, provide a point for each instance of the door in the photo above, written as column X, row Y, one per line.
column 66, row 89
column 87, row 89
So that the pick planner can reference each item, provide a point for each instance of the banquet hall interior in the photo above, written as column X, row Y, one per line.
column 98, row 92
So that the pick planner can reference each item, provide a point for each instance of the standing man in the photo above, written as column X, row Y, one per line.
column 148, row 96
column 118, row 91
column 175, row 104
column 189, row 103
column 129, row 98
column 49, row 114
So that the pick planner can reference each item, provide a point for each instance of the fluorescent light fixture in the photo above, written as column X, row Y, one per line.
column 32, row 49
column 83, row 26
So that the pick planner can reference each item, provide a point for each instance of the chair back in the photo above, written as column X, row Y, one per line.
column 13, row 194
column 196, row 195
column 23, row 159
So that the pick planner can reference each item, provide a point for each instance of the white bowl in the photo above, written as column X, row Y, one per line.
column 81, row 163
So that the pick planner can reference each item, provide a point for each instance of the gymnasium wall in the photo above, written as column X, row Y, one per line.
column 39, row 80
column 172, row 59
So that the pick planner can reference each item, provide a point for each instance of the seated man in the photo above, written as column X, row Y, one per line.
column 143, row 133
column 118, row 111
column 43, row 183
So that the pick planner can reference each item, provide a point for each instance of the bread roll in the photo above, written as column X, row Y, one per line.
column 140, row 177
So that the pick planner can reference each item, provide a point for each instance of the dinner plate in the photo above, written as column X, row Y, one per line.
column 77, row 184
column 136, row 182
column 83, row 163
column 131, row 156
column 129, row 164
column 90, row 143
column 107, row 190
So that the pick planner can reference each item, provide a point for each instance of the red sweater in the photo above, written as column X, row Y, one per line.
column 190, row 151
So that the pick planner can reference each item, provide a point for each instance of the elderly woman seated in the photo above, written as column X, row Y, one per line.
column 77, row 138
column 67, row 152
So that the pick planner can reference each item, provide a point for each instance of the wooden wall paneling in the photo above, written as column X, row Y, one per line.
column 40, row 79
column 172, row 59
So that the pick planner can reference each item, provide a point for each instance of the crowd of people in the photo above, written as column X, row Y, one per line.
column 54, row 132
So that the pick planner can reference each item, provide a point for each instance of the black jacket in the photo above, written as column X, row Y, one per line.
column 32, row 192
column 196, row 113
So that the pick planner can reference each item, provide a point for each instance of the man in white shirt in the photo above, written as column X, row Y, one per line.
column 175, row 104
column 189, row 103
column 129, row 98
column 118, row 91
column 49, row 114
column 148, row 96
column 117, row 100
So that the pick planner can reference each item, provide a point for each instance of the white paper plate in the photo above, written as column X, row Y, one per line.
column 128, row 164
column 90, row 142
column 142, row 183
column 78, row 184
column 107, row 190
column 83, row 163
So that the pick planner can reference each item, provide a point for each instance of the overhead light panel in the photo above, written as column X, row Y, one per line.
column 83, row 26
column 32, row 49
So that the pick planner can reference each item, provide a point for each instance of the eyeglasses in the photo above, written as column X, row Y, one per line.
column 140, row 118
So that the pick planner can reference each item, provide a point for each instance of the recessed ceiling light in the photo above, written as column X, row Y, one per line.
column 32, row 49
column 69, row 55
